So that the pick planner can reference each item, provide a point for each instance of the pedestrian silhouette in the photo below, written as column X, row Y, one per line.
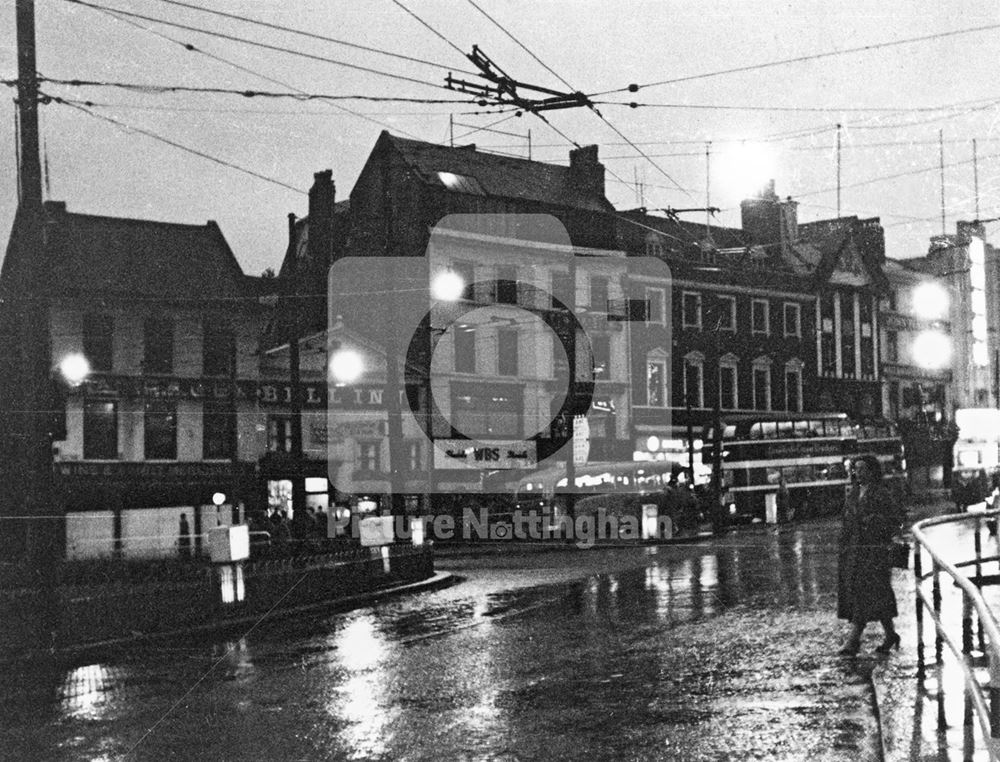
column 184, row 538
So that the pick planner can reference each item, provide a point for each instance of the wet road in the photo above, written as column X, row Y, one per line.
column 718, row 650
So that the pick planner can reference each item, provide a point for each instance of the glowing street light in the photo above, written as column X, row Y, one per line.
column 932, row 350
column 931, row 301
column 448, row 286
column 346, row 366
column 74, row 369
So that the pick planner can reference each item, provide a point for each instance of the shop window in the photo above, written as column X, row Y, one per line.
column 158, row 345
column 98, row 341
column 218, row 435
column 218, row 349
column 161, row 430
column 279, row 433
column 100, row 430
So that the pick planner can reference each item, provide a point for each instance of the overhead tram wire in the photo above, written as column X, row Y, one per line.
column 239, row 67
column 593, row 108
column 155, row 136
column 299, row 95
column 434, row 31
column 312, row 35
column 800, row 59
column 263, row 45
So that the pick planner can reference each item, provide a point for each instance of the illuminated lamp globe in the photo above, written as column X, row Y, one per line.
column 447, row 286
column 653, row 443
column 930, row 301
column 74, row 369
column 346, row 366
column 932, row 350
column 218, row 498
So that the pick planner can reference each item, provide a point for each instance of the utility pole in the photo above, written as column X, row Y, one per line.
column 838, row 171
column 28, row 397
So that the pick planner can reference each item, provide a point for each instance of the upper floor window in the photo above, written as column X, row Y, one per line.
column 793, row 319
column 598, row 293
column 600, row 345
column 370, row 456
column 656, row 306
column 218, row 430
column 654, row 248
column 726, row 307
column 507, row 284
column 279, row 433
column 691, row 307
column 562, row 290
column 793, row 385
column 460, row 183
column 465, row 349
column 467, row 275
column 656, row 382
column 161, row 430
column 158, row 345
column 760, row 316
column 98, row 341
column 507, row 352
column 694, row 386
column 762, row 383
column 100, row 430
column 218, row 349
column 729, row 383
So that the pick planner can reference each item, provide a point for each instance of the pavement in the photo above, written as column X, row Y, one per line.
column 927, row 720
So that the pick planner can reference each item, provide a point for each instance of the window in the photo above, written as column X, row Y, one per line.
column 654, row 247
column 158, row 345
column 161, row 430
column 507, row 352
column 892, row 346
column 656, row 300
column 218, row 349
column 562, row 290
column 413, row 456
column 370, row 456
column 218, row 433
column 693, row 380
column 279, row 433
column 467, row 275
column 460, row 183
column 98, row 339
column 507, row 285
column 762, row 383
column 486, row 411
column 465, row 349
column 726, row 307
column 728, row 383
column 793, row 386
column 691, row 306
column 598, row 293
column 656, row 383
column 600, row 344
column 100, row 430
column 760, row 318
column 793, row 319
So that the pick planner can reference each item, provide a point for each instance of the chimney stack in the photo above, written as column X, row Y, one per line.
column 322, row 197
column 586, row 172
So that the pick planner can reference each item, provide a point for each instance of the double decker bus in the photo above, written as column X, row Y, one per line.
column 801, row 458
column 977, row 455
column 881, row 438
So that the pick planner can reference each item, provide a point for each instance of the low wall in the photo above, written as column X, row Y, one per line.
column 196, row 595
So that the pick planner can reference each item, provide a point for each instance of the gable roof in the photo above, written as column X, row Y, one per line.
column 495, row 175
column 846, row 235
column 97, row 255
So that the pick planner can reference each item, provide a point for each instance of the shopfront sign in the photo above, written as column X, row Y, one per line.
column 313, row 395
column 498, row 455
column 141, row 471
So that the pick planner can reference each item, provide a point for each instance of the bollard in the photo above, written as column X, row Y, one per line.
column 917, row 575
column 936, row 600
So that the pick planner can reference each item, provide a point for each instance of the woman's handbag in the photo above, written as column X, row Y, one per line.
column 899, row 553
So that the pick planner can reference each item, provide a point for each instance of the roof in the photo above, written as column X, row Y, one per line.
column 116, row 255
column 494, row 175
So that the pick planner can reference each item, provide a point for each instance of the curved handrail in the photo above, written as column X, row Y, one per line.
column 987, row 619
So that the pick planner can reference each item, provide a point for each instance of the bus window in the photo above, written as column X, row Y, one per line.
column 785, row 429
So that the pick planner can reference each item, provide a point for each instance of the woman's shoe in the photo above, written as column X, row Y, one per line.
column 850, row 648
column 891, row 642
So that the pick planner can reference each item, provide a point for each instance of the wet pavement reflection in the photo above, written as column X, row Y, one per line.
column 706, row 651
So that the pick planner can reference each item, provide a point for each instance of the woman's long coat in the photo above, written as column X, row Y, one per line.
column 864, row 572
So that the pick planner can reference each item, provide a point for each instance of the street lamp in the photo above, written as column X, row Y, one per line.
column 346, row 367
column 74, row 369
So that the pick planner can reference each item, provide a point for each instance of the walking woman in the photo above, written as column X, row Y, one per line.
column 864, row 579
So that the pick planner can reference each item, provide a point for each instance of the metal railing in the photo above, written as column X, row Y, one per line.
column 984, row 704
